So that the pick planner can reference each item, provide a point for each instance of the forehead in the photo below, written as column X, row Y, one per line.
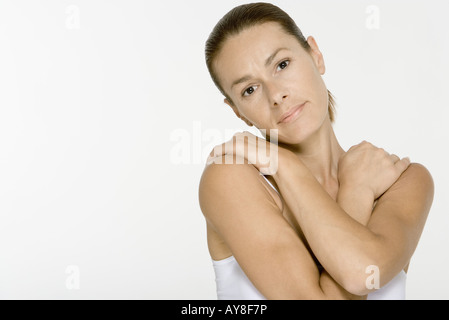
column 250, row 48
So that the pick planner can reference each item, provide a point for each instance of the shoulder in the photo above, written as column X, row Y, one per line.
column 224, row 172
column 411, row 196
column 226, row 164
column 419, row 169
column 229, row 179
column 417, row 176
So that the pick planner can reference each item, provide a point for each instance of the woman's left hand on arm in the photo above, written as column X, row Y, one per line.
column 365, row 172
column 344, row 246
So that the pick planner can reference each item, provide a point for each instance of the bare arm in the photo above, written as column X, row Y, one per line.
column 236, row 205
column 345, row 246
column 356, row 203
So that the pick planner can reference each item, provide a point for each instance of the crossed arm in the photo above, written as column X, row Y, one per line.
column 346, row 244
column 277, row 261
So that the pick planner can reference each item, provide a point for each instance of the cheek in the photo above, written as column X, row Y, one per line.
column 311, row 87
column 253, row 111
column 255, row 106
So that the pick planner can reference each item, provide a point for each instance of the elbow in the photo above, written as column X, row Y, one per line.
column 360, row 285
column 370, row 277
column 363, row 274
column 363, row 279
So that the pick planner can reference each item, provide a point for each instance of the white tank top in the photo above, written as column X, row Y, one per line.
column 233, row 284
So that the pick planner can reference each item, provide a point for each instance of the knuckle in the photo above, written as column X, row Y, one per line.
column 237, row 137
column 237, row 134
column 367, row 145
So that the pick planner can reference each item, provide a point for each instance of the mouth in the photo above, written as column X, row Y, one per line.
column 291, row 114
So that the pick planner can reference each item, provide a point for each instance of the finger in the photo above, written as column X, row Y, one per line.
column 363, row 143
column 386, row 153
column 402, row 164
column 217, row 154
column 216, row 151
column 394, row 158
column 355, row 146
column 243, row 133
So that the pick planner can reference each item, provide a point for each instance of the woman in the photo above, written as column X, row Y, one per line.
column 325, row 223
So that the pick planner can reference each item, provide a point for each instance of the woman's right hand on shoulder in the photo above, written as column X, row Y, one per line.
column 367, row 167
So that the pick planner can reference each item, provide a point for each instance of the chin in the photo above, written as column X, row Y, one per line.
column 293, row 139
column 298, row 132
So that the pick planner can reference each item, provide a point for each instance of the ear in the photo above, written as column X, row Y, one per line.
column 237, row 113
column 316, row 55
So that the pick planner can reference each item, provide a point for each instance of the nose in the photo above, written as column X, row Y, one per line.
column 278, row 94
column 281, row 100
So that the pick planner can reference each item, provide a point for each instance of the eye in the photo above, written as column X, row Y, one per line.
column 249, row 91
column 283, row 64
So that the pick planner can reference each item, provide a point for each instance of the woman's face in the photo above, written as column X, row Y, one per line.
column 266, row 73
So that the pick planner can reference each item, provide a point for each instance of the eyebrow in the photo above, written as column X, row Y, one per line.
column 268, row 61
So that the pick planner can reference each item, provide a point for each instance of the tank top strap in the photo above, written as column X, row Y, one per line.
column 269, row 182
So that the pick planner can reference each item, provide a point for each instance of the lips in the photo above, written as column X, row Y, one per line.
column 286, row 116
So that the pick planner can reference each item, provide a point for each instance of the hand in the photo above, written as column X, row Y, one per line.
column 259, row 152
column 367, row 167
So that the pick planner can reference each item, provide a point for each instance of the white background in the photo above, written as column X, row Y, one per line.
column 107, row 114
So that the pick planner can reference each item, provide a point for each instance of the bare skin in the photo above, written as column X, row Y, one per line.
column 325, row 211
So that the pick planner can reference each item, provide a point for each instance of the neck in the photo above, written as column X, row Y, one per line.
column 320, row 153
